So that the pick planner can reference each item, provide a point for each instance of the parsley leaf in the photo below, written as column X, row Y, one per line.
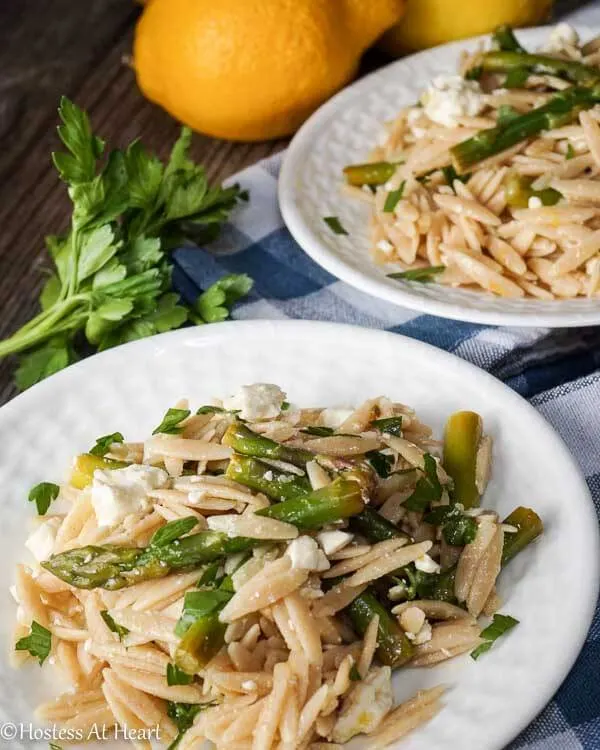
column 170, row 422
column 500, row 625
column 457, row 528
column 393, row 198
column 423, row 275
column 334, row 224
column 355, row 674
column 428, row 487
column 183, row 715
column 210, row 574
column 381, row 462
column 112, row 277
column 176, row 676
column 103, row 443
column 213, row 305
column 450, row 174
column 211, row 410
column 120, row 630
column 38, row 642
column 317, row 431
column 570, row 152
column 389, row 425
column 43, row 361
column 42, row 495
column 173, row 531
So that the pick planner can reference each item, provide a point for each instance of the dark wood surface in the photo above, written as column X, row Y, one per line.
column 54, row 47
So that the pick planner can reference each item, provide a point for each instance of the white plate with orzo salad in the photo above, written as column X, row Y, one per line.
column 463, row 181
column 287, row 534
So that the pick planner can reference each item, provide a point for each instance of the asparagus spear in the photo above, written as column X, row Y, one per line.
column 461, row 442
column 86, row 464
column 518, row 191
column 243, row 440
column 559, row 110
column 113, row 567
column 373, row 173
column 263, row 478
column 393, row 647
column 374, row 526
column 529, row 526
column 506, row 40
column 504, row 61
column 338, row 500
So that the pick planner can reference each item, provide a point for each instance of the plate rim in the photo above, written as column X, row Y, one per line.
column 312, row 245
column 539, row 700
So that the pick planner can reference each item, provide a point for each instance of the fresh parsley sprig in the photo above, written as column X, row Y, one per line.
column 111, row 281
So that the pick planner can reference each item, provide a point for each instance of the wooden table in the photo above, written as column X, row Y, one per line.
column 78, row 49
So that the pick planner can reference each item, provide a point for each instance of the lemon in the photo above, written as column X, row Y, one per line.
column 427, row 23
column 252, row 70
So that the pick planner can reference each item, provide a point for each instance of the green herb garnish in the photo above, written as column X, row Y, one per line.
column 381, row 462
column 120, row 630
column 389, row 425
column 355, row 674
column 516, row 78
column 500, row 625
column 428, row 489
column 171, row 421
column 334, row 224
column 450, row 174
column 423, row 275
column 183, row 715
column 176, row 676
column 111, row 281
column 457, row 528
column 317, row 431
column 38, row 642
column 103, row 443
column 42, row 495
column 393, row 198
column 571, row 153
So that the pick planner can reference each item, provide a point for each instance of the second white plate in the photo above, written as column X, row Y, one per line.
column 342, row 132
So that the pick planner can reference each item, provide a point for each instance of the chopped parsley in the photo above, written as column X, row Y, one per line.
column 422, row 275
column 38, row 642
column 103, row 443
column 500, row 625
column 171, row 421
column 42, row 495
column 334, row 224
column 393, row 198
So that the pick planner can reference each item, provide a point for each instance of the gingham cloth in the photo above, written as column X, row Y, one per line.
column 555, row 370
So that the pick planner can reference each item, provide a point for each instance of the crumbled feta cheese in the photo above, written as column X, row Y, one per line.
column 333, row 418
column 41, row 541
column 365, row 706
column 268, row 476
column 451, row 97
column 413, row 114
column 426, row 564
column 257, row 401
column 562, row 35
column 249, row 685
column 334, row 541
column 385, row 246
column 305, row 554
column 534, row 202
column 118, row 493
column 423, row 635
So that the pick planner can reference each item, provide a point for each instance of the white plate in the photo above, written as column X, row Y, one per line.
column 342, row 132
column 551, row 587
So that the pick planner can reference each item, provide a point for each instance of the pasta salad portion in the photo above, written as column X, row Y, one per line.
column 253, row 573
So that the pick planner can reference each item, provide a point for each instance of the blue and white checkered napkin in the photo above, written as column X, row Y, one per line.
column 555, row 370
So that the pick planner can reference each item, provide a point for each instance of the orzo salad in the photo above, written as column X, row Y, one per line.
column 491, row 180
column 253, row 573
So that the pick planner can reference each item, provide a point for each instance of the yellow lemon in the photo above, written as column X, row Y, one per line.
column 430, row 22
column 252, row 69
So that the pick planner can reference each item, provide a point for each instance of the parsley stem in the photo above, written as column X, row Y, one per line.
column 43, row 326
